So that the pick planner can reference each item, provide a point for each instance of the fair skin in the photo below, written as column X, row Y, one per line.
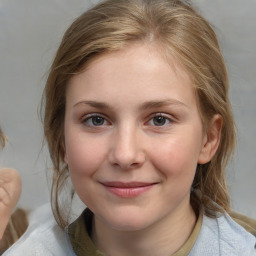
column 134, row 137
column 10, row 190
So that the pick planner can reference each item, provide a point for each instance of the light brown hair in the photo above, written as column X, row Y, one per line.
column 2, row 138
column 16, row 227
column 180, row 31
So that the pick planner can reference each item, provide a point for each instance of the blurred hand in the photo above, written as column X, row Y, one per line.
column 10, row 190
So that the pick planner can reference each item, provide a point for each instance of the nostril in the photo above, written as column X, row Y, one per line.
column 128, row 163
column 135, row 164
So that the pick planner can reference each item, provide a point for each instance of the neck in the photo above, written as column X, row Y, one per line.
column 162, row 238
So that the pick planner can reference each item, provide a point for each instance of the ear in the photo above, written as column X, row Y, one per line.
column 211, row 140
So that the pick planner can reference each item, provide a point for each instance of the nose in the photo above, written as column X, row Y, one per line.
column 127, row 149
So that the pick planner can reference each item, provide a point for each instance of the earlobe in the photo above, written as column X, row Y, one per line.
column 211, row 140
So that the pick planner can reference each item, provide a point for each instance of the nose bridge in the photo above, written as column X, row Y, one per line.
column 127, row 149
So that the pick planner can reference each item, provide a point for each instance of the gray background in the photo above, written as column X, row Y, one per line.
column 30, row 31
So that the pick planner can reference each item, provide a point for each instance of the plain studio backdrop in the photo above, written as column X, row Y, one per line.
column 30, row 32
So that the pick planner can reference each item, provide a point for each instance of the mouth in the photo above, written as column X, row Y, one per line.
column 128, row 189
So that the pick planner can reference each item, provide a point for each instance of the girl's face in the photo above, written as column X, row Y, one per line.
column 133, row 137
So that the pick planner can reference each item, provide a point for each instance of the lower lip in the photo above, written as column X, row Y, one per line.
column 128, row 192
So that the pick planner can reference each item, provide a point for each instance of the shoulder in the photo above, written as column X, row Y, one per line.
column 43, row 237
column 234, row 237
column 247, row 223
column 223, row 236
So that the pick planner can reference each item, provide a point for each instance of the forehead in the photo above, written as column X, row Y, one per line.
column 139, row 69
column 150, row 51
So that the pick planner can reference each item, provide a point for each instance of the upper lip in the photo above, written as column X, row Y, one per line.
column 133, row 184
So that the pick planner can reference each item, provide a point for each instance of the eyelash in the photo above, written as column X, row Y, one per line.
column 88, row 120
column 164, row 117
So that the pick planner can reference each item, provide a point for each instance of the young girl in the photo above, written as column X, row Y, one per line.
column 137, row 114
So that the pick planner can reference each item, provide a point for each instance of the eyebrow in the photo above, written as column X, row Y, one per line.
column 144, row 106
column 95, row 104
column 161, row 103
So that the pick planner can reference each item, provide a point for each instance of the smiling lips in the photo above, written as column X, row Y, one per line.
column 127, row 190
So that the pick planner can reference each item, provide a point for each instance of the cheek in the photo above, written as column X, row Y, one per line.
column 83, row 156
column 176, row 159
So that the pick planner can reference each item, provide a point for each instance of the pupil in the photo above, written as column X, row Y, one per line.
column 160, row 120
column 97, row 120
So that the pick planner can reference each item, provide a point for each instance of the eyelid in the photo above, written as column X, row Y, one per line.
column 167, row 116
column 85, row 116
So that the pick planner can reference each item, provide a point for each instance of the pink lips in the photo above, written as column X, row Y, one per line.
column 126, row 190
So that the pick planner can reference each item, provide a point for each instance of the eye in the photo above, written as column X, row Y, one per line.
column 95, row 120
column 159, row 120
